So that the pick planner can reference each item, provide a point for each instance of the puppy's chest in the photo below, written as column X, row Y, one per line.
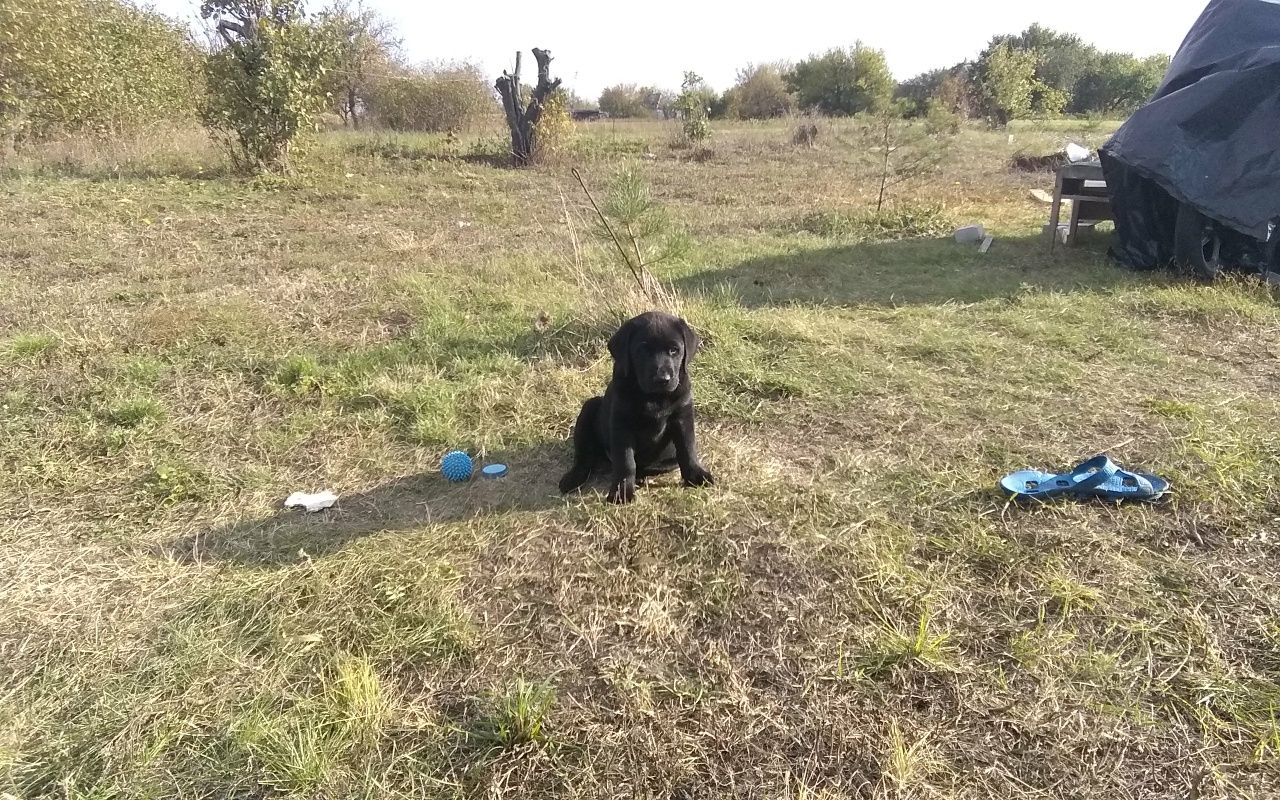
column 658, row 409
column 653, row 417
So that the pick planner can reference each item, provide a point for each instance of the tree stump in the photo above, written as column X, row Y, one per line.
column 523, row 118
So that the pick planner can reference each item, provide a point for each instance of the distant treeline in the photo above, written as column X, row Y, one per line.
column 265, row 71
column 1037, row 73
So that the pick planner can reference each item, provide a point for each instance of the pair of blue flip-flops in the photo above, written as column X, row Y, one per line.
column 1099, row 477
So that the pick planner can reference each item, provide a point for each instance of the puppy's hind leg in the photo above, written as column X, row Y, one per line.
column 587, row 448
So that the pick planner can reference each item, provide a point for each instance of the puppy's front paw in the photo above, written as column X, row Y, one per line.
column 623, row 492
column 698, row 476
column 574, row 479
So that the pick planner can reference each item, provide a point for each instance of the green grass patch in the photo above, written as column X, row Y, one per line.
column 854, row 590
column 893, row 223
column 31, row 345
column 134, row 413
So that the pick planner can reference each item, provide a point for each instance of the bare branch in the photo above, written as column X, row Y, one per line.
column 226, row 28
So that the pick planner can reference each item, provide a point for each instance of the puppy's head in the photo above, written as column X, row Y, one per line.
column 654, row 350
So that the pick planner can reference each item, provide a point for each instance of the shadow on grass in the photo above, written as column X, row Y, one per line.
column 916, row 272
column 408, row 503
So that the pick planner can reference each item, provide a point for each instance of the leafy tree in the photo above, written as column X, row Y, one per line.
column 1120, row 84
column 267, row 81
column 659, row 101
column 760, row 93
column 699, row 91
column 843, row 81
column 1009, row 88
column 958, row 92
column 1074, row 76
column 941, row 92
column 624, row 100
column 1062, row 59
column 1048, row 101
column 694, row 109
column 364, row 47
column 96, row 66
column 446, row 98
column 573, row 100
column 916, row 93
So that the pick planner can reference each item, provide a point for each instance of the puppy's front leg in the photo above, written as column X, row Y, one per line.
column 691, row 469
column 622, row 455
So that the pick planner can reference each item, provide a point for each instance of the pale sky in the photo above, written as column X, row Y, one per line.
column 652, row 42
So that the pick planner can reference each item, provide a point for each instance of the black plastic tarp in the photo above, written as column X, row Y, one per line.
column 1209, row 138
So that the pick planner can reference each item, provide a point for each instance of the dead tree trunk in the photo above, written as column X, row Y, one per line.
column 523, row 118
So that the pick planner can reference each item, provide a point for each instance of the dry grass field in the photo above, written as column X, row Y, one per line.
column 852, row 611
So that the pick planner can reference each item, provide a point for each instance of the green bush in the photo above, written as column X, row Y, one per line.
column 916, row 93
column 1072, row 75
column 939, row 120
column 760, row 93
column 365, row 46
column 1120, row 84
column 91, row 66
column 627, row 100
column 265, row 85
column 453, row 99
column 1062, row 59
column 694, row 110
column 554, row 135
column 957, row 92
column 1009, row 87
column 843, row 81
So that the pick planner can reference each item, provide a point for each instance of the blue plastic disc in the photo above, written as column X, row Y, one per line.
column 494, row 471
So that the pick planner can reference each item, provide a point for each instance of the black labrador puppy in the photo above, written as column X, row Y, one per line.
column 643, row 426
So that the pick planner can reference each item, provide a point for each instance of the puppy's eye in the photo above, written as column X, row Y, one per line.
column 673, row 352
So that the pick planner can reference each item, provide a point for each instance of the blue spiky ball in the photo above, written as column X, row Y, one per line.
column 457, row 466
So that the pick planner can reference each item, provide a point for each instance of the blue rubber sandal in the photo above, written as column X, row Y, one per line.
column 1123, row 484
column 1036, row 485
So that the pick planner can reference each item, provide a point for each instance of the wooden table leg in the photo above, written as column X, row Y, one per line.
column 1055, row 213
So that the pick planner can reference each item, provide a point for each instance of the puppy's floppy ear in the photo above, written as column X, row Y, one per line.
column 691, row 341
column 620, row 348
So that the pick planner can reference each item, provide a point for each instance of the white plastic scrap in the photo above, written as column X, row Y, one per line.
column 311, row 502
column 1076, row 153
